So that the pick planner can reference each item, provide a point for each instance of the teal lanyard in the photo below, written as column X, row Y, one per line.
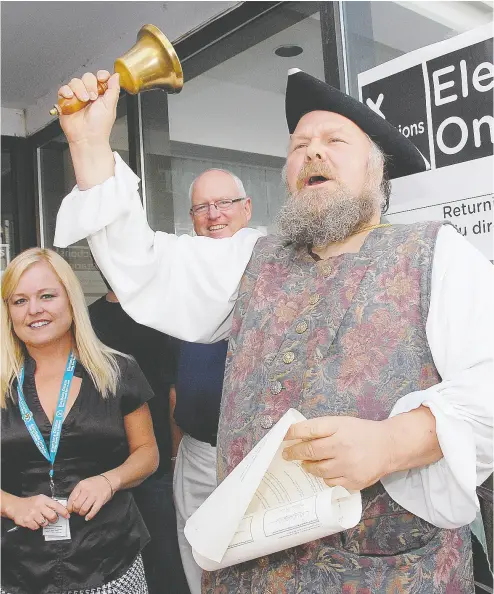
column 56, row 429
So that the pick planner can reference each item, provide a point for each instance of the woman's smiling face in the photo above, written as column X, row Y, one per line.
column 39, row 307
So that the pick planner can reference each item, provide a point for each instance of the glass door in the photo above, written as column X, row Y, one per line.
column 55, row 180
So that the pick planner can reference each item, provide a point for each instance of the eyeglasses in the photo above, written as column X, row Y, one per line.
column 223, row 204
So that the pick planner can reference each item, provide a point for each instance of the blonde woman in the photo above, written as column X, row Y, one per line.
column 76, row 435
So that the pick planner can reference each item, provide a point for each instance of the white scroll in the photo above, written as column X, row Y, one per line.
column 267, row 505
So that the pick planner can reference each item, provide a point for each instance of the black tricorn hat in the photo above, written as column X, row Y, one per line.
column 304, row 94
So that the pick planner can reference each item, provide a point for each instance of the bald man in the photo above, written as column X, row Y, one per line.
column 219, row 208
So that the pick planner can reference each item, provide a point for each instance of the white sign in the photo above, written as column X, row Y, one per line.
column 441, row 98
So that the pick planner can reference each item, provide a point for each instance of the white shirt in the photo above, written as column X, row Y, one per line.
column 187, row 286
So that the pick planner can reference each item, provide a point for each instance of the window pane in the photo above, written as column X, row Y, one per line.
column 376, row 32
column 7, row 231
column 232, row 116
column 57, row 179
column 156, row 167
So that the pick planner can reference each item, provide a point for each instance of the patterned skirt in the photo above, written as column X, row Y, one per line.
column 133, row 581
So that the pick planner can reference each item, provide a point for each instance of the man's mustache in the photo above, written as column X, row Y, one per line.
column 313, row 170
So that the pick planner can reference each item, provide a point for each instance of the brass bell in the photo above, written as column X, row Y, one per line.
column 151, row 63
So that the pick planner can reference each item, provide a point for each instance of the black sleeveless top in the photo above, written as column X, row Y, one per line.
column 93, row 440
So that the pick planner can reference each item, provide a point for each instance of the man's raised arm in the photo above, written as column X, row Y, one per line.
column 183, row 286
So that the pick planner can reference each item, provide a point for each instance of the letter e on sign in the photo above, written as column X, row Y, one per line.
column 477, row 77
column 438, row 86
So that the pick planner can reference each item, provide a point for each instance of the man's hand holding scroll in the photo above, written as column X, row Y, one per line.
column 356, row 453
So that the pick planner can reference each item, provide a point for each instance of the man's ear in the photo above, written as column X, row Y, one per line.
column 193, row 223
column 248, row 208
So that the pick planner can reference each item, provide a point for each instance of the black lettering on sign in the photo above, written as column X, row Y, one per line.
column 461, row 85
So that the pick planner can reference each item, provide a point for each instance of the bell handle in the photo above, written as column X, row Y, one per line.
column 72, row 105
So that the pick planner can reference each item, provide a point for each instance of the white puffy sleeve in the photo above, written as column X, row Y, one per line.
column 183, row 286
column 460, row 331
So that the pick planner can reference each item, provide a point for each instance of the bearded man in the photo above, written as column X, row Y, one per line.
column 381, row 335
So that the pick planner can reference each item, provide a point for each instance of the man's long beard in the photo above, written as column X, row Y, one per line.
column 318, row 216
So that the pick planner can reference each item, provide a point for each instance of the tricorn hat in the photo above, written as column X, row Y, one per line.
column 304, row 94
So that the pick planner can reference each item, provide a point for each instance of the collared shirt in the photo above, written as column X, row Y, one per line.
column 200, row 372
column 187, row 287
column 93, row 440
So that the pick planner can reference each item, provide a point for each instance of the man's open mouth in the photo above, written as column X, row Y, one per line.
column 314, row 180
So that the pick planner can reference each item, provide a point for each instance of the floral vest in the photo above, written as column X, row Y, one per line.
column 343, row 336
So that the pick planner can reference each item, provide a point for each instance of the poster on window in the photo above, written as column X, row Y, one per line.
column 441, row 98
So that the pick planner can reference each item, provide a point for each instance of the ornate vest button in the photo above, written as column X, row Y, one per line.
column 313, row 299
column 266, row 421
column 288, row 357
column 276, row 388
column 301, row 327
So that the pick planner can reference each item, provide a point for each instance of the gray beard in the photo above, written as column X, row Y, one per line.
column 319, row 216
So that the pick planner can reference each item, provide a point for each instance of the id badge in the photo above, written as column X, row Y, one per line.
column 60, row 530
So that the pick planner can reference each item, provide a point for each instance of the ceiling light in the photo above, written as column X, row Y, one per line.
column 288, row 51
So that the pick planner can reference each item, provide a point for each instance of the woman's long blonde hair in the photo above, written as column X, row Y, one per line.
column 98, row 359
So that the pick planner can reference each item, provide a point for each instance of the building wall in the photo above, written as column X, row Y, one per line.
column 13, row 122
